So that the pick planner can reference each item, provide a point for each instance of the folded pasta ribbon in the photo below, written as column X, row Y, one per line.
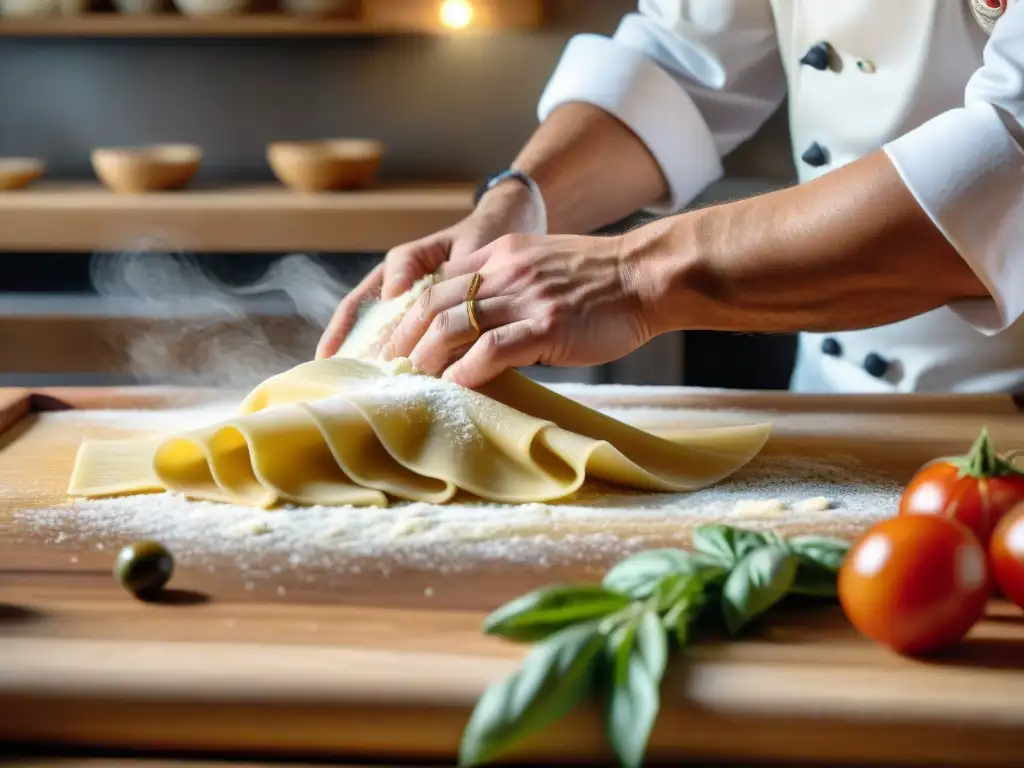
column 354, row 432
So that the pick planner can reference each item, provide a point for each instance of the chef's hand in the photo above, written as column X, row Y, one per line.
column 503, row 210
column 559, row 300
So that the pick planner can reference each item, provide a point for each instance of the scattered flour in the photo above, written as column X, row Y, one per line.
column 599, row 524
column 252, row 527
column 760, row 508
column 148, row 421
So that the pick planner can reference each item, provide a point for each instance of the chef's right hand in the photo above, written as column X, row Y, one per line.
column 504, row 210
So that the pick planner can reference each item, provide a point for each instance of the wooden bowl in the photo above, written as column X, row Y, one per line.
column 18, row 172
column 40, row 8
column 146, row 169
column 212, row 8
column 321, row 8
column 319, row 166
column 140, row 7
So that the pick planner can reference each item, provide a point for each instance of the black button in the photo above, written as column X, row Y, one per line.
column 818, row 56
column 831, row 347
column 876, row 365
column 815, row 155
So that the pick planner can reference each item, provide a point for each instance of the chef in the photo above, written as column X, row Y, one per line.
column 899, row 257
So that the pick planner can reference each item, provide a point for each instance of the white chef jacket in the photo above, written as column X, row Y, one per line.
column 938, row 84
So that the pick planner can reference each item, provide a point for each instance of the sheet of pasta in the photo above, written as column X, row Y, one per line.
column 349, row 431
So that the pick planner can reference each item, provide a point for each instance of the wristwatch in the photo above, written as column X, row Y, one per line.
column 510, row 174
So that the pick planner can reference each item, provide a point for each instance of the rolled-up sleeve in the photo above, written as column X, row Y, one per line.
column 691, row 78
column 965, row 167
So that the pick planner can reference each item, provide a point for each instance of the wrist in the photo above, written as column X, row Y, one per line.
column 663, row 259
column 521, row 197
column 507, row 197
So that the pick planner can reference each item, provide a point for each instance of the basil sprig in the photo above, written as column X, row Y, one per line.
column 613, row 640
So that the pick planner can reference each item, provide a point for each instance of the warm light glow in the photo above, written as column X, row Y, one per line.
column 456, row 14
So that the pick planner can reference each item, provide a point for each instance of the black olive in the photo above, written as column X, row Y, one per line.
column 143, row 568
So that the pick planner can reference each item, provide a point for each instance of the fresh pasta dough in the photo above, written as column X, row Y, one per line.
column 350, row 431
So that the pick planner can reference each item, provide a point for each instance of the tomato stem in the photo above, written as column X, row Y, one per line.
column 983, row 461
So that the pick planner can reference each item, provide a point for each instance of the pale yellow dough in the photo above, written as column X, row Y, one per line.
column 357, row 432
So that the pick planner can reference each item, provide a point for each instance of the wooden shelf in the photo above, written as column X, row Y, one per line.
column 379, row 17
column 257, row 218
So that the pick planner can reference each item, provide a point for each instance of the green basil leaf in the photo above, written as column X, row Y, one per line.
column 633, row 700
column 639, row 575
column 823, row 551
column 727, row 544
column 554, row 678
column 758, row 582
column 685, row 599
column 544, row 612
column 652, row 644
column 677, row 620
column 678, row 587
column 620, row 645
column 631, row 710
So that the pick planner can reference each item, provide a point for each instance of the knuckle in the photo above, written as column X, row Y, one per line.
column 523, row 272
column 546, row 289
column 547, row 318
column 398, row 255
column 423, row 309
column 492, row 342
column 441, row 324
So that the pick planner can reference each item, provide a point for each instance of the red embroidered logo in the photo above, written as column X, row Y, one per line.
column 987, row 12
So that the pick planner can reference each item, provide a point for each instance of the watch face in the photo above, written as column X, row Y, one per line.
column 987, row 12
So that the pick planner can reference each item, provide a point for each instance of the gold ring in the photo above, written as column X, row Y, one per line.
column 474, row 286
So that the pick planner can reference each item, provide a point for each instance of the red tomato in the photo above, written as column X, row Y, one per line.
column 1006, row 555
column 916, row 583
column 975, row 490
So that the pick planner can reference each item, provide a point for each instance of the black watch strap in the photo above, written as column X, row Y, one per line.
column 498, row 178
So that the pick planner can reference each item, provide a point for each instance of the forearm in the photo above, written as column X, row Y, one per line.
column 591, row 169
column 850, row 250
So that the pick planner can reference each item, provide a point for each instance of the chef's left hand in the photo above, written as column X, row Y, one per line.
column 558, row 300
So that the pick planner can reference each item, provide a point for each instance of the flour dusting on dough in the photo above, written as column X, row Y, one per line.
column 371, row 332
column 406, row 395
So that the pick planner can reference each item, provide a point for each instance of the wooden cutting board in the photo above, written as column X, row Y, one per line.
column 363, row 666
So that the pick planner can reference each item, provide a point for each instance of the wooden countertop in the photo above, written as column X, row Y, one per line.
column 371, row 668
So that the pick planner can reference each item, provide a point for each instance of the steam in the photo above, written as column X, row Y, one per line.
column 188, row 327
